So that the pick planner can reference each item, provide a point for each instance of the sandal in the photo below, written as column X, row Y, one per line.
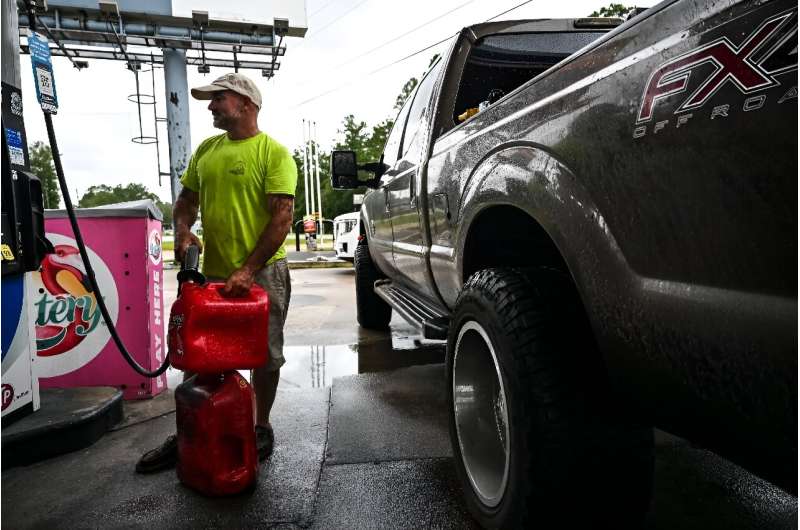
column 164, row 456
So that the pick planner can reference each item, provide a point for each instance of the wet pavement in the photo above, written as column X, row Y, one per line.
column 361, row 442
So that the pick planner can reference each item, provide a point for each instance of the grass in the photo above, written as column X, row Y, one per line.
column 289, row 244
column 325, row 243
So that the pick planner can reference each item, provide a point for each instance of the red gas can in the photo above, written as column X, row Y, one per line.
column 217, row 452
column 209, row 333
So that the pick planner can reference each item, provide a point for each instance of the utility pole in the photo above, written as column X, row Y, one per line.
column 310, row 165
column 319, row 193
column 305, row 166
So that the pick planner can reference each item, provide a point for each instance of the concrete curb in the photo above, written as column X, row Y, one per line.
column 70, row 419
column 320, row 265
column 296, row 265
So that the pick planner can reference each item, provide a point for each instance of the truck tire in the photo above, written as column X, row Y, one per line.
column 372, row 311
column 534, row 440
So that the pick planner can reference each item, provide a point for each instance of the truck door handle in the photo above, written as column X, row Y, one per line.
column 386, row 199
column 412, row 191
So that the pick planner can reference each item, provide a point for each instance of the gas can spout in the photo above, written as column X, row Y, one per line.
column 190, row 268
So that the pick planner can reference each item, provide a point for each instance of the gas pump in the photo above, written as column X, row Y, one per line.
column 23, row 243
column 23, row 237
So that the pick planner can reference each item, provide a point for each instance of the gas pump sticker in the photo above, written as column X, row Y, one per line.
column 15, row 152
column 42, row 66
column 8, row 395
column 69, row 328
column 45, row 80
column 8, row 255
column 154, row 247
column 16, row 104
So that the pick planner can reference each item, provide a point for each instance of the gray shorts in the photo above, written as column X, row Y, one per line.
column 274, row 278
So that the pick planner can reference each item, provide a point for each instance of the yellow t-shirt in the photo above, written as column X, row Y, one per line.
column 233, row 178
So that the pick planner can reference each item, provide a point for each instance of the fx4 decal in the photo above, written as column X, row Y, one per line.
column 769, row 50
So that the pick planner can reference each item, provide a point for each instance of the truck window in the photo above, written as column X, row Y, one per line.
column 499, row 64
column 391, row 151
column 419, row 115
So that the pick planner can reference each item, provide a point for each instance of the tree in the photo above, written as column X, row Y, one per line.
column 367, row 142
column 166, row 211
column 613, row 10
column 410, row 85
column 354, row 135
column 104, row 194
column 406, row 91
column 41, row 158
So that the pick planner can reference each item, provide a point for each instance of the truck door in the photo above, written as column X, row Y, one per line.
column 376, row 202
column 409, row 246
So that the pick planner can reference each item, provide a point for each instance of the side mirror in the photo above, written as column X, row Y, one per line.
column 344, row 170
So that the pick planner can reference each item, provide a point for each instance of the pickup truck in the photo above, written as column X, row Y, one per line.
column 602, row 223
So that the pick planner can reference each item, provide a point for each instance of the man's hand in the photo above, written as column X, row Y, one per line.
column 239, row 282
column 184, row 238
column 184, row 214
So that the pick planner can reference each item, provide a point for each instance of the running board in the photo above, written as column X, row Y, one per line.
column 419, row 313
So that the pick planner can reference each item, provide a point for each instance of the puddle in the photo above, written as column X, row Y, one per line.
column 315, row 366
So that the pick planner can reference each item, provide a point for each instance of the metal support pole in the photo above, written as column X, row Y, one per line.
column 178, row 133
column 319, row 193
column 10, row 46
column 305, row 166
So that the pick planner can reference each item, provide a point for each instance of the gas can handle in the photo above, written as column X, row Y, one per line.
column 189, row 268
column 191, row 260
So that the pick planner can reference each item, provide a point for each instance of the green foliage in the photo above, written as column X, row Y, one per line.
column 410, row 85
column 354, row 135
column 406, row 91
column 613, row 10
column 104, row 194
column 166, row 210
column 41, row 158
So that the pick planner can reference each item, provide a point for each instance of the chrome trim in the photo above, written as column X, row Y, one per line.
column 408, row 248
column 440, row 251
column 480, row 452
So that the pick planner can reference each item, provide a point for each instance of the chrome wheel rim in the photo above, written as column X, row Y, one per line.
column 481, row 413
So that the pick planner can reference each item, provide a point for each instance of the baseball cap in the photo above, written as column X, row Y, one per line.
column 236, row 82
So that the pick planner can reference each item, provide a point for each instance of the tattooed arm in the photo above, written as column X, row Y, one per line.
column 281, row 207
column 184, row 214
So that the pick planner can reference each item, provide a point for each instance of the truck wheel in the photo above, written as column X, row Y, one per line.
column 533, row 436
column 371, row 310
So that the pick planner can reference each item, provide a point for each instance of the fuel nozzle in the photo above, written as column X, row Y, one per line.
column 190, row 268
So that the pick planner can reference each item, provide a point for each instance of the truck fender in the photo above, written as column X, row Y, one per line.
column 533, row 179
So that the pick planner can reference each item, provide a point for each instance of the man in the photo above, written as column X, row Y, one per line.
column 243, row 182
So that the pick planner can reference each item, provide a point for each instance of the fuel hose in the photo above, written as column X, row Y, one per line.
column 85, row 257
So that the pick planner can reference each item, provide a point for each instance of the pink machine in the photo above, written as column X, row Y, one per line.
column 73, row 345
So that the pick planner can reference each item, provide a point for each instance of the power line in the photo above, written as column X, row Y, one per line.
column 509, row 10
column 384, row 67
column 337, row 19
column 368, row 52
column 370, row 73
column 321, row 8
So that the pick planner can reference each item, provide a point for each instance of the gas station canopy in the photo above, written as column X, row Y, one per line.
column 85, row 29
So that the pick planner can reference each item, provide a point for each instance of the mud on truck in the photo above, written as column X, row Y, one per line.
column 601, row 220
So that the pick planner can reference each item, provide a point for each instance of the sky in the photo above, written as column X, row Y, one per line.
column 348, row 63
